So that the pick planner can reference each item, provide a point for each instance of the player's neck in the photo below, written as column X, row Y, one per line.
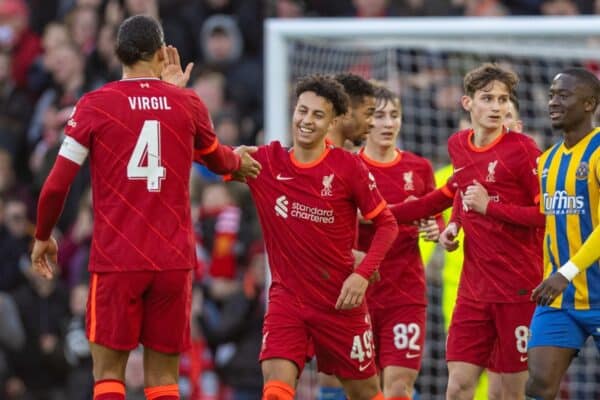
column 483, row 137
column 381, row 154
column 576, row 134
column 307, row 155
column 140, row 70
column 335, row 137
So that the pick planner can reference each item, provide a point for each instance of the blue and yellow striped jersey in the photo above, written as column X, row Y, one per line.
column 570, row 190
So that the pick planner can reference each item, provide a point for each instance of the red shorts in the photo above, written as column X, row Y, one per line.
column 148, row 307
column 342, row 340
column 490, row 335
column 399, row 334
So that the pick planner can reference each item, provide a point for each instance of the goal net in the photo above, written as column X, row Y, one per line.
column 424, row 60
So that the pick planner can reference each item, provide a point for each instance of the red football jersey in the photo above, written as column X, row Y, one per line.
column 502, row 261
column 308, row 215
column 140, row 135
column 402, row 275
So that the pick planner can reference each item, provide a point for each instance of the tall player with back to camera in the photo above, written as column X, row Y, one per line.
column 140, row 134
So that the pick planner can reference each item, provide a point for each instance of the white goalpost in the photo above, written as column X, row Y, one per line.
column 424, row 61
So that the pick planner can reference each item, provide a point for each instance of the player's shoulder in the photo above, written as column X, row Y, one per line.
column 414, row 158
column 459, row 137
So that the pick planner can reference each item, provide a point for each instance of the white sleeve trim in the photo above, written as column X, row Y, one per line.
column 73, row 150
column 569, row 270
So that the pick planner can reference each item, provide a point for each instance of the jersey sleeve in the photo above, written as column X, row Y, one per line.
column 364, row 188
column 78, row 132
column 589, row 252
column 529, row 169
column 205, row 139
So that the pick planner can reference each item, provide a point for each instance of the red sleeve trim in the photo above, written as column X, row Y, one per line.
column 209, row 149
column 446, row 191
column 376, row 211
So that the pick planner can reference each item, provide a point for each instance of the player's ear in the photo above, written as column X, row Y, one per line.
column 590, row 104
column 466, row 101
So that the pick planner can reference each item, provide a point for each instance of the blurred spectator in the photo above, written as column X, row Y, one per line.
column 222, row 47
column 82, row 22
column 374, row 8
column 103, row 63
column 40, row 367
column 15, row 111
column 196, row 365
column 221, row 219
column 80, row 381
column 227, row 128
column 74, row 248
column 209, row 85
column 10, row 273
column 54, row 36
column 235, row 333
column 289, row 8
column 12, row 335
column 484, row 8
column 18, row 38
column 559, row 7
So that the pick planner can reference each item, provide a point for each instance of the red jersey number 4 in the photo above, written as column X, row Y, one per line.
column 147, row 148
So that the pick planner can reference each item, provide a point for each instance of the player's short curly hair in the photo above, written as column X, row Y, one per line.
column 587, row 79
column 138, row 38
column 327, row 88
column 480, row 77
column 356, row 86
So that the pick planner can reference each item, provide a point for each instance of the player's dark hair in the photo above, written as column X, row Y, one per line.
column 327, row 88
column 515, row 101
column 586, row 79
column 138, row 38
column 480, row 77
column 355, row 86
column 383, row 95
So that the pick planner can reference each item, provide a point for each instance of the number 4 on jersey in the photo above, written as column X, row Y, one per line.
column 147, row 147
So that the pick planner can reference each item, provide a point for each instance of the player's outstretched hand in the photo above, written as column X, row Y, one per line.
column 549, row 289
column 249, row 168
column 476, row 198
column 44, row 257
column 352, row 293
column 172, row 71
column 429, row 230
column 448, row 237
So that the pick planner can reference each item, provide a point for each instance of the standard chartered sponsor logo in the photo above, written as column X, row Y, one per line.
column 562, row 203
column 302, row 211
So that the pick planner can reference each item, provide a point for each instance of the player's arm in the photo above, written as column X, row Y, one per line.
column 556, row 283
column 218, row 158
column 477, row 199
column 448, row 236
column 51, row 202
column 432, row 203
column 585, row 257
column 373, row 207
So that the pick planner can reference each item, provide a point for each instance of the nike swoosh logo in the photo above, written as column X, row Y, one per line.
column 411, row 355
column 283, row 178
column 361, row 368
column 524, row 358
column 458, row 169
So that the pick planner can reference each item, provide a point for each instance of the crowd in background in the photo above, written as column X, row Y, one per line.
column 51, row 53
